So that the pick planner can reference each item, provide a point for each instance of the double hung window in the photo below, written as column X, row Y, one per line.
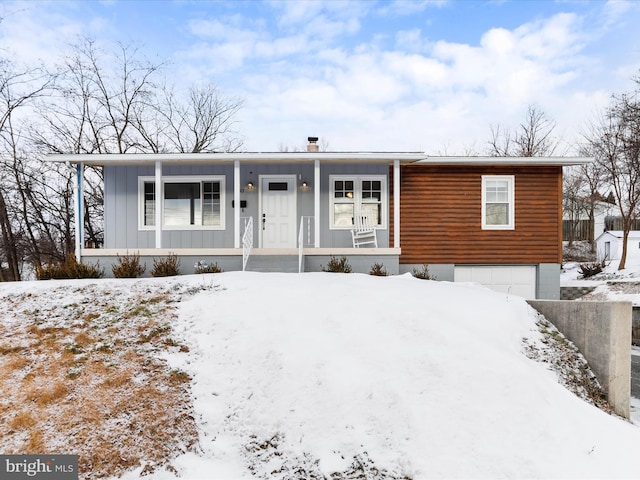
column 357, row 195
column 498, row 204
column 187, row 202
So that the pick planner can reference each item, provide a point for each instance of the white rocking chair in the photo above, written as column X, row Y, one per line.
column 363, row 232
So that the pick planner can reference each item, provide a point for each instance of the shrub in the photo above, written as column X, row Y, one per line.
column 204, row 267
column 69, row 268
column 423, row 274
column 166, row 267
column 337, row 265
column 590, row 269
column 128, row 267
column 378, row 270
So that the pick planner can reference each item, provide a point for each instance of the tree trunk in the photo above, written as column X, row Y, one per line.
column 625, row 238
column 10, row 246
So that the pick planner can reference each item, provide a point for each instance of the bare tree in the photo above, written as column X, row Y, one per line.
column 614, row 141
column 201, row 122
column 533, row 138
column 99, row 102
column 113, row 101
column 581, row 195
column 19, row 87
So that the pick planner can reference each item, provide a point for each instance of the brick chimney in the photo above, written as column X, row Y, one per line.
column 313, row 144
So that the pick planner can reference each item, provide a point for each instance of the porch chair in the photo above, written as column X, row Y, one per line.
column 363, row 232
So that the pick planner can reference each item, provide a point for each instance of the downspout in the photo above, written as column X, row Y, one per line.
column 79, row 204
column 316, row 204
column 158, row 202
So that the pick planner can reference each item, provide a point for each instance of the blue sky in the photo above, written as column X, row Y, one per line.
column 366, row 75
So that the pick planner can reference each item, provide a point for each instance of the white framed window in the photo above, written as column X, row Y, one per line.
column 188, row 203
column 353, row 194
column 498, row 202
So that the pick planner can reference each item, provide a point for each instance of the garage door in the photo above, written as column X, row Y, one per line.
column 516, row 280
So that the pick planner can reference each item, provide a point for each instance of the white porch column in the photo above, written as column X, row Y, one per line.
column 158, row 203
column 396, row 204
column 236, row 203
column 79, row 204
column 316, row 204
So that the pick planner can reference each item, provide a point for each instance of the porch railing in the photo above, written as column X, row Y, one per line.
column 247, row 240
column 304, row 239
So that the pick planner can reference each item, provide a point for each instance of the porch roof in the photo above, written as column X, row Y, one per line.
column 244, row 157
column 304, row 157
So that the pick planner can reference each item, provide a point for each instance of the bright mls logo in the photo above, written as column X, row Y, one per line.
column 49, row 467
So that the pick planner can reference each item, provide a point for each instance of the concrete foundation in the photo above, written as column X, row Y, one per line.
column 602, row 333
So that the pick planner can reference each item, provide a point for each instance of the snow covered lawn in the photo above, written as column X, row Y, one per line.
column 351, row 376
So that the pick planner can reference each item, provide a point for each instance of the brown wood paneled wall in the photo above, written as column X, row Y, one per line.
column 440, row 218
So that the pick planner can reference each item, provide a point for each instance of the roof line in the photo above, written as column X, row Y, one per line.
column 295, row 157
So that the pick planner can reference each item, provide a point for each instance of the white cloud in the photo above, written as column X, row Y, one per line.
column 340, row 69
column 409, row 7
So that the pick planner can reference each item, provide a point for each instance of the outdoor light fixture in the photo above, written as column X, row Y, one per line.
column 304, row 185
column 250, row 186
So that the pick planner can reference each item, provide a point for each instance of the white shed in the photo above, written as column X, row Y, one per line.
column 609, row 246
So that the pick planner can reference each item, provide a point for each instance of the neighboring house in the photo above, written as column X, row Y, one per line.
column 609, row 246
column 601, row 211
column 495, row 221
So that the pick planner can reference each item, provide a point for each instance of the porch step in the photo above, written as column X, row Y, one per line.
column 273, row 263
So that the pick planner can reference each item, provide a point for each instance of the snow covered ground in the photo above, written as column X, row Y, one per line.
column 305, row 375
column 610, row 285
column 426, row 379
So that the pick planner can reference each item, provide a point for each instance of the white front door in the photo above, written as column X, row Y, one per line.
column 278, row 211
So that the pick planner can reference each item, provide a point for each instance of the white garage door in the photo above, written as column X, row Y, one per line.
column 516, row 280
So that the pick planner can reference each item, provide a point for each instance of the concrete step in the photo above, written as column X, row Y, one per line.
column 273, row 263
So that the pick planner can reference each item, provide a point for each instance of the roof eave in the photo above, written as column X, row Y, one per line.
column 506, row 161
column 269, row 157
column 303, row 157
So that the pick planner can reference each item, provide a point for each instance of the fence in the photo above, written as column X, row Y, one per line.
column 615, row 223
column 574, row 230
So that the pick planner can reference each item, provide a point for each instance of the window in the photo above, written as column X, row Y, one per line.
column 498, row 206
column 351, row 195
column 188, row 203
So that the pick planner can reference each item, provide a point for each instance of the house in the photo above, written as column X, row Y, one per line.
column 578, row 226
column 496, row 221
column 609, row 246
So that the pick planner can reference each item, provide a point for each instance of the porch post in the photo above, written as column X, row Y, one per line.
column 79, row 204
column 316, row 204
column 158, row 203
column 396, row 204
column 236, row 203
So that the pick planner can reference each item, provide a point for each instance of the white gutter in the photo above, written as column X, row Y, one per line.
column 303, row 157
column 505, row 161
column 269, row 157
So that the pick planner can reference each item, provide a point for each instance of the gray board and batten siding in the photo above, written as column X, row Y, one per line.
column 121, row 209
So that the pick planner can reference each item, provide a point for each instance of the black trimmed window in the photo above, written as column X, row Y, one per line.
column 187, row 203
column 352, row 195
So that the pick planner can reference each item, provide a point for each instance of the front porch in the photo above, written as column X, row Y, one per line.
column 307, row 259
column 289, row 211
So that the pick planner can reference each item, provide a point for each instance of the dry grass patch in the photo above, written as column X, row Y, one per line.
column 22, row 421
column 81, row 375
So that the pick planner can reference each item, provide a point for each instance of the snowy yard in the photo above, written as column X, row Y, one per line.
column 316, row 375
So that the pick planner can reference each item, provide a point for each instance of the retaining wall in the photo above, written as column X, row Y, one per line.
column 602, row 333
column 571, row 293
column 635, row 326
